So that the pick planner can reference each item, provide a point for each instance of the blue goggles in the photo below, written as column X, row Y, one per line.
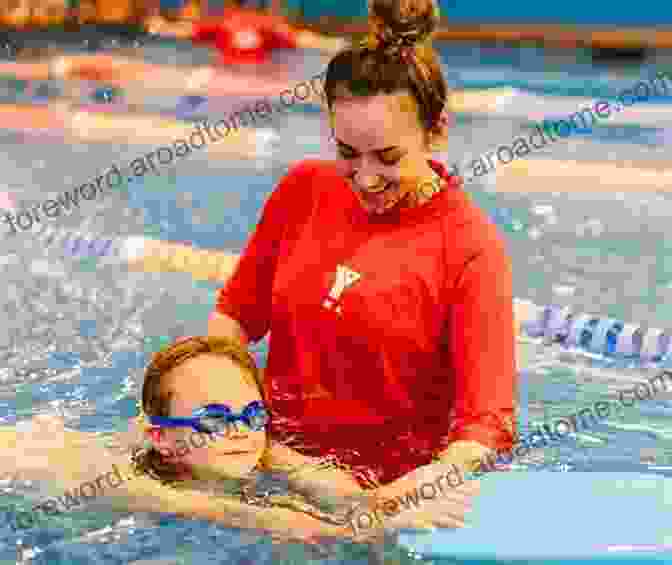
column 211, row 419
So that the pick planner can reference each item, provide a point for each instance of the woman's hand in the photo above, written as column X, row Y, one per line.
column 447, row 510
column 444, row 511
column 435, row 496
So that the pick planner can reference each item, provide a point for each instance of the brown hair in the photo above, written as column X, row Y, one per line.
column 156, row 401
column 396, row 56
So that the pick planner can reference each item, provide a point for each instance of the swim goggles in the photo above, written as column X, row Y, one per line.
column 213, row 418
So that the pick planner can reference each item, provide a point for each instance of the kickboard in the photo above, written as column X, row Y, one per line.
column 546, row 516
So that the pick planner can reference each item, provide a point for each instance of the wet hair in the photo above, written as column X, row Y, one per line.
column 156, row 400
column 396, row 56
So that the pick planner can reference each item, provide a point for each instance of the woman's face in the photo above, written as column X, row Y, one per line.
column 382, row 148
column 213, row 379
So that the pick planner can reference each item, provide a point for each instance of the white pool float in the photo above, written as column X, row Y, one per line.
column 545, row 517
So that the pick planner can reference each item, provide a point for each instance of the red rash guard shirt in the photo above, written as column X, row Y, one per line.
column 391, row 336
column 243, row 37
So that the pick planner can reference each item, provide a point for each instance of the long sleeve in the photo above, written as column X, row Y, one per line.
column 247, row 296
column 482, row 345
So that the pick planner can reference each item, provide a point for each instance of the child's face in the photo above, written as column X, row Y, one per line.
column 212, row 379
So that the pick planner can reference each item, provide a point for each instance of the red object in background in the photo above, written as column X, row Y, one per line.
column 246, row 37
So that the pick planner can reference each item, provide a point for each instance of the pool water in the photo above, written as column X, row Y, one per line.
column 78, row 332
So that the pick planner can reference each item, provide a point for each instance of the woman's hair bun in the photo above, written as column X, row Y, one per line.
column 402, row 23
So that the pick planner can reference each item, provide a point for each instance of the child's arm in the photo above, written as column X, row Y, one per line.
column 44, row 450
column 326, row 485
column 311, row 472
column 66, row 459
column 148, row 495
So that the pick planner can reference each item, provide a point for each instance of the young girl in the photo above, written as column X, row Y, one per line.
column 175, row 456
column 179, row 400
column 199, row 449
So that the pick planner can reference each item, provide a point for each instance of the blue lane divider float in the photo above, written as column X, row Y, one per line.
column 607, row 332
column 629, row 340
column 77, row 244
column 555, row 324
column 596, row 334
column 74, row 243
column 581, row 331
column 187, row 105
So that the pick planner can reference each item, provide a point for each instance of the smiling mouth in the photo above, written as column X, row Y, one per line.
column 377, row 190
column 235, row 452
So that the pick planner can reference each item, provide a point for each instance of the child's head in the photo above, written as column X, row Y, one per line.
column 188, row 376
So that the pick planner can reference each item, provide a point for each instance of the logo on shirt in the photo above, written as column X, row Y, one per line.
column 246, row 39
column 345, row 278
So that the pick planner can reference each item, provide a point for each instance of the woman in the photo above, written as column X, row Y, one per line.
column 201, row 432
column 386, row 291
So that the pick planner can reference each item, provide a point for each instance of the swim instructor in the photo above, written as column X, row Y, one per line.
column 386, row 291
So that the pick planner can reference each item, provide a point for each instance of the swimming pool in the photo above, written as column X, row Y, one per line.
column 78, row 332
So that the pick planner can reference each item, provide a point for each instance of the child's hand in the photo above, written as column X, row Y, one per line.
column 48, row 451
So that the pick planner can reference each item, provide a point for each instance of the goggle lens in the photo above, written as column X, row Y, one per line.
column 213, row 424
column 256, row 417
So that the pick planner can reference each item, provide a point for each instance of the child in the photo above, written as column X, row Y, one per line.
column 202, row 433
column 203, row 428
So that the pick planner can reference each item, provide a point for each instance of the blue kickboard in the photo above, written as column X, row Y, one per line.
column 552, row 515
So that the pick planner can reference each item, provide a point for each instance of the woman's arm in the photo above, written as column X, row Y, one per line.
column 481, row 343
column 225, row 326
column 247, row 296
